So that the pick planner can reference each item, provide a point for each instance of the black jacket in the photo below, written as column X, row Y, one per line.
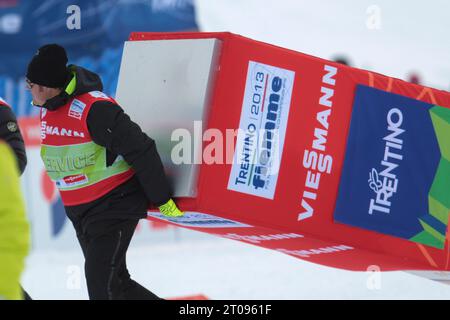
column 110, row 127
column 10, row 132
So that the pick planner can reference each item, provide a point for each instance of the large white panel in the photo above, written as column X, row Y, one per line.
column 165, row 85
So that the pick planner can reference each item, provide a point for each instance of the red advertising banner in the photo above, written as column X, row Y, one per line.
column 304, row 106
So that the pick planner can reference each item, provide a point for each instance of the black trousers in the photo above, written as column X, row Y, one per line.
column 105, row 244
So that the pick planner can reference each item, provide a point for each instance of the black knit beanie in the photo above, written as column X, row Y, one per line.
column 48, row 67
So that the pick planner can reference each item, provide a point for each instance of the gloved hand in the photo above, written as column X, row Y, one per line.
column 170, row 209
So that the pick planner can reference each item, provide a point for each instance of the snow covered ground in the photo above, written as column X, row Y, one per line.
column 225, row 269
column 413, row 35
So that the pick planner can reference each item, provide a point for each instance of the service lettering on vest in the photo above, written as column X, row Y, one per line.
column 315, row 160
column 69, row 163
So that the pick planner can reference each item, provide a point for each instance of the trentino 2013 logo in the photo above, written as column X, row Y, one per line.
column 263, row 123
column 395, row 178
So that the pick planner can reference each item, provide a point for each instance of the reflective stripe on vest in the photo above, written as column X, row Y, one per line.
column 72, row 159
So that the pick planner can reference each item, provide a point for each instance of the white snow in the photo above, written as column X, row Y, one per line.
column 225, row 269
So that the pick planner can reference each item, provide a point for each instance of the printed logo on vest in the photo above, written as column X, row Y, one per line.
column 56, row 131
column 43, row 129
column 72, row 181
column 98, row 94
column 76, row 109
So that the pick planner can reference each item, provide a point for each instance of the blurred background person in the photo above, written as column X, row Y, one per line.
column 414, row 77
column 342, row 60
column 14, row 227
column 10, row 133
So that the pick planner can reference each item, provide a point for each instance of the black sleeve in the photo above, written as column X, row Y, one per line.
column 10, row 132
column 113, row 129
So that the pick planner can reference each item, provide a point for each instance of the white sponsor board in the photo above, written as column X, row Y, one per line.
column 262, row 129
column 200, row 220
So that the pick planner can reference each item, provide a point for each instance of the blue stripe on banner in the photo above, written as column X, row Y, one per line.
column 434, row 223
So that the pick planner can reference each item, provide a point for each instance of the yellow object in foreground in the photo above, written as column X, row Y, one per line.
column 14, row 227
column 170, row 209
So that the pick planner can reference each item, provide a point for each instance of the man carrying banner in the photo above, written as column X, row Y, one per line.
column 106, row 169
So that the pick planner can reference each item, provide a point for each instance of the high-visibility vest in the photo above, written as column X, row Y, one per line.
column 75, row 162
